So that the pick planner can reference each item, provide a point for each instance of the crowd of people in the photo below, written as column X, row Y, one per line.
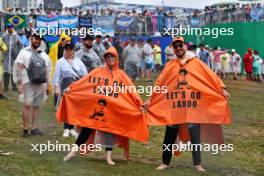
column 193, row 17
column 225, row 62
column 139, row 58
column 36, row 71
column 85, row 13
column 229, row 13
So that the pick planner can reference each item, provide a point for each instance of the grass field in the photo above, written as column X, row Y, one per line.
column 246, row 133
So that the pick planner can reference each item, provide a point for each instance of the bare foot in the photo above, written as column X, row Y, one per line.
column 109, row 158
column 162, row 167
column 70, row 155
column 110, row 162
column 199, row 168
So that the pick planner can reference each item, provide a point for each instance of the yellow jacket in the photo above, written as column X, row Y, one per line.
column 53, row 54
column 3, row 48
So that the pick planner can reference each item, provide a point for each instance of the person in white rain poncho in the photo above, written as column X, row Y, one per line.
column 235, row 63
column 14, row 45
column 31, row 71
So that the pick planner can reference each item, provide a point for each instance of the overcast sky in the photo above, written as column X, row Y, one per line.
column 177, row 3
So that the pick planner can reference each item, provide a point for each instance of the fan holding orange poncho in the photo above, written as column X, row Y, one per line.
column 194, row 107
column 111, row 115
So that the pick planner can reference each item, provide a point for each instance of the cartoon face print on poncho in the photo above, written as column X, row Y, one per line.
column 182, row 80
column 98, row 113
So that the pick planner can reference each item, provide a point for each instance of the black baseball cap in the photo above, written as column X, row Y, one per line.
column 69, row 46
column 36, row 35
column 88, row 37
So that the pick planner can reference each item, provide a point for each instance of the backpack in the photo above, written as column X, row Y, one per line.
column 87, row 61
column 37, row 69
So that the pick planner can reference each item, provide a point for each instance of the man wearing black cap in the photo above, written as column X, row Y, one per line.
column 14, row 45
column 131, row 56
column 184, row 60
column 68, row 69
column 107, row 42
column 99, row 48
column 87, row 55
column 32, row 69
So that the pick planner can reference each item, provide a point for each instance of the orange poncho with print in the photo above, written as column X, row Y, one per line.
column 89, row 103
column 194, row 96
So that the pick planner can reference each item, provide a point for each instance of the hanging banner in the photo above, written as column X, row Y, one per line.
column 48, row 25
column 85, row 22
column 124, row 22
column 105, row 23
column 68, row 21
column 18, row 21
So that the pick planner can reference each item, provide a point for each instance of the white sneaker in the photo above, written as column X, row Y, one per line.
column 73, row 133
column 66, row 133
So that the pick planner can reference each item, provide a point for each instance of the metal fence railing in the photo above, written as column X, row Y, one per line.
column 151, row 24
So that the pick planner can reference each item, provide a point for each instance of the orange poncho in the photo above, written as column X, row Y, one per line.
column 87, row 105
column 194, row 96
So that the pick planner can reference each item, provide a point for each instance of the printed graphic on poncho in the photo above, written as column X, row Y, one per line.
column 182, row 81
column 98, row 113
column 183, row 96
column 105, row 87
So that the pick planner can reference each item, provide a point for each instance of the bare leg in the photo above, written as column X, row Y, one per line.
column 26, row 109
column 235, row 75
column 1, row 91
column 82, row 138
column 35, row 117
column 2, row 96
column 70, row 155
column 148, row 74
column 109, row 158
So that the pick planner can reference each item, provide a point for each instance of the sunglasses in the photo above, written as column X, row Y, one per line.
column 175, row 46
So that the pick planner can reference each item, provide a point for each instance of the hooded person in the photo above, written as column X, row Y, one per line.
column 248, row 60
column 236, row 63
column 3, row 48
column 108, row 114
column 194, row 106
column 56, row 52
column 14, row 45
